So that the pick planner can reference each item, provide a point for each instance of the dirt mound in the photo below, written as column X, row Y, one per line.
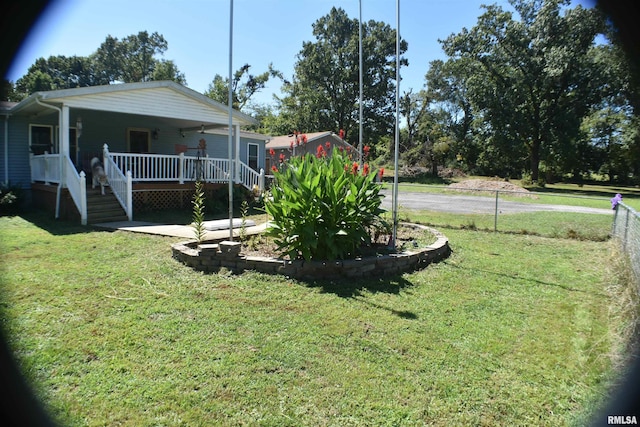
column 489, row 185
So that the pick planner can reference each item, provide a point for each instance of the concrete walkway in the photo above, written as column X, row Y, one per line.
column 174, row 230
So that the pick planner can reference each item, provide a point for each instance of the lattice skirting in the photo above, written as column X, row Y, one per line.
column 147, row 198
column 152, row 200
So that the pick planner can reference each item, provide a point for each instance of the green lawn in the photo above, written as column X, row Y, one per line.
column 590, row 195
column 512, row 329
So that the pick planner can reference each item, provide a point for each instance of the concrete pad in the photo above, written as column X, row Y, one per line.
column 223, row 224
column 175, row 230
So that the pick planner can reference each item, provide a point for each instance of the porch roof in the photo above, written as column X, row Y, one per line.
column 157, row 98
column 284, row 141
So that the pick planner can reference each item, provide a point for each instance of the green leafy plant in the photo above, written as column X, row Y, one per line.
column 198, row 211
column 323, row 207
column 10, row 199
column 244, row 209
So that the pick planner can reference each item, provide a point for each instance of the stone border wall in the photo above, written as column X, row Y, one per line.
column 211, row 257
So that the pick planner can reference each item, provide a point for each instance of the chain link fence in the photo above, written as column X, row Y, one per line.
column 626, row 229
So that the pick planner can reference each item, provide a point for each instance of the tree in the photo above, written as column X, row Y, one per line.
column 167, row 70
column 129, row 60
column 58, row 72
column 324, row 93
column 243, row 86
column 528, row 81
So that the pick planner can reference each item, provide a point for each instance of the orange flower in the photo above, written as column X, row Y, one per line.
column 354, row 168
column 272, row 152
column 365, row 169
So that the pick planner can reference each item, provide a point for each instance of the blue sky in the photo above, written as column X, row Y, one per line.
column 265, row 31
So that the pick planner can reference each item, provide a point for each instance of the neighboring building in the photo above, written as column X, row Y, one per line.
column 159, row 136
column 293, row 145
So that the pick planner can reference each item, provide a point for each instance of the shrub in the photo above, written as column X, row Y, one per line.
column 323, row 207
column 10, row 199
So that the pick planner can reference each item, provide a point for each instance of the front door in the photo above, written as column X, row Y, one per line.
column 139, row 140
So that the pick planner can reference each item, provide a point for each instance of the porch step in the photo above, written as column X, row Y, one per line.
column 103, row 208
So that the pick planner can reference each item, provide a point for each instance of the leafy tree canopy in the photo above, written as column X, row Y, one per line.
column 518, row 84
column 243, row 86
column 324, row 92
column 132, row 59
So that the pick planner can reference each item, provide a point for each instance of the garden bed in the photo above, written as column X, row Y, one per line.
column 412, row 253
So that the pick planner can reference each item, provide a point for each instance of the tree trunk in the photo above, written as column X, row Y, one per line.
column 535, row 160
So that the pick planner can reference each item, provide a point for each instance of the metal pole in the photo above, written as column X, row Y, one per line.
column 397, row 131
column 360, row 147
column 495, row 219
column 230, row 140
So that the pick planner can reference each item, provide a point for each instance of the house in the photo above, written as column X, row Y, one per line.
column 153, row 138
column 285, row 146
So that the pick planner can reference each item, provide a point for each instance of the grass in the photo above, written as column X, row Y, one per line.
column 512, row 329
column 549, row 224
column 588, row 195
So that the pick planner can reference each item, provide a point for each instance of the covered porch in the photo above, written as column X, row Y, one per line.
column 149, row 137
column 136, row 174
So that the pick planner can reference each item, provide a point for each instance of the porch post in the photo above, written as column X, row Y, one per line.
column 64, row 131
column 236, row 130
column 129, row 196
column 105, row 156
column 64, row 142
column 181, row 168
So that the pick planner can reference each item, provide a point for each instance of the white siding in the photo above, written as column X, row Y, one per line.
column 159, row 102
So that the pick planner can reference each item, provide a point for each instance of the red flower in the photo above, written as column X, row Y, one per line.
column 381, row 173
column 354, row 168
column 281, row 157
column 365, row 169
column 328, row 145
column 304, row 139
column 320, row 152
column 274, row 168
column 341, row 134
column 272, row 152
column 366, row 150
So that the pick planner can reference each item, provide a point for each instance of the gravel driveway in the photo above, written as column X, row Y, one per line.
column 466, row 204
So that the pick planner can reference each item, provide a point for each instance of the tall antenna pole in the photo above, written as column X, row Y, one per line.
column 230, row 140
column 397, row 133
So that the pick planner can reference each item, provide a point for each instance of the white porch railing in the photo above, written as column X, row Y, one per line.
column 46, row 168
column 250, row 178
column 121, row 184
column 139, row 167
column 181, row 168
column 76, row 183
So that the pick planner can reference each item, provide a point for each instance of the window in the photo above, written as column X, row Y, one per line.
column 138, row 140
column 41, row 139
column 252, row 156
